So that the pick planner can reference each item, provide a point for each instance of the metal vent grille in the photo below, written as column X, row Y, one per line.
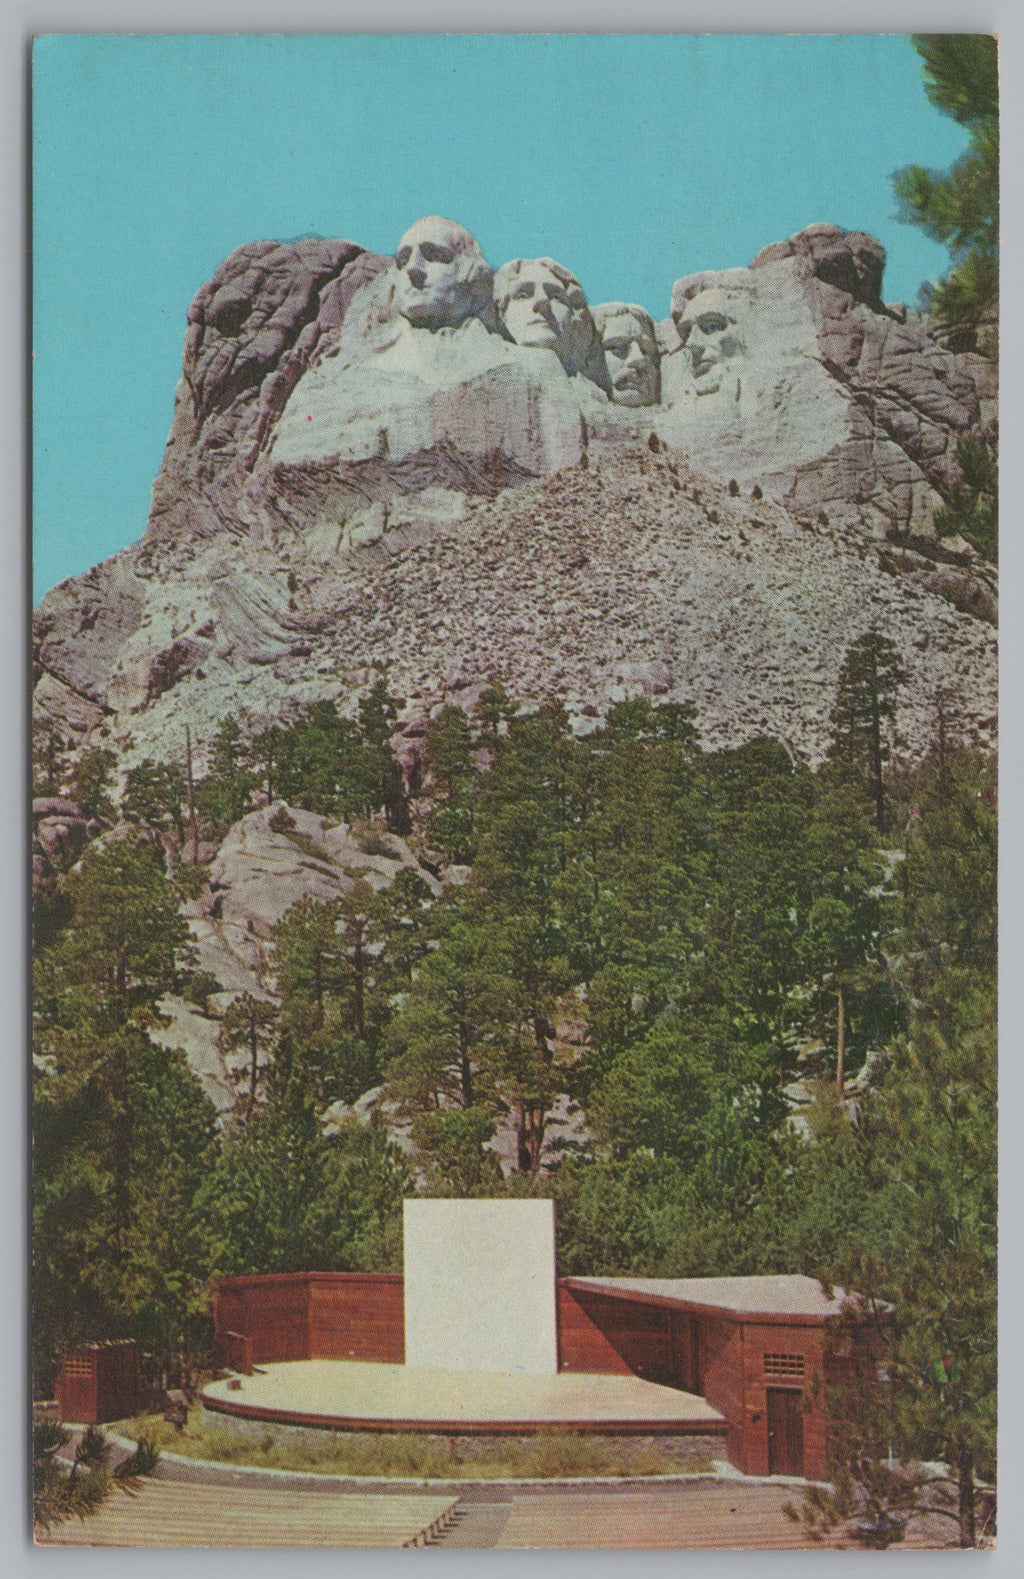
column 790, row 1366
column 76, row 1367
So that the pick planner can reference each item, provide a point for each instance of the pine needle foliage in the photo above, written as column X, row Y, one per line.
column 960, row 207
column 62, row 1491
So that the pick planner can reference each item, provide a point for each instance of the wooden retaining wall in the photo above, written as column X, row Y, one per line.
column 312, row 1316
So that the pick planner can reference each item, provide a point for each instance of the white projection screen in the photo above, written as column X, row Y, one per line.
column 480, row 1286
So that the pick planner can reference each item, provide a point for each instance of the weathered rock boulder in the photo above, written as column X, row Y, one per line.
column 281, row 854
column 252, row 330
column 850, row 260
column 269, row 861
column 60, row 830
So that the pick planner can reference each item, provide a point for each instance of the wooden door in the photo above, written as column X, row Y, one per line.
column 785, row 1431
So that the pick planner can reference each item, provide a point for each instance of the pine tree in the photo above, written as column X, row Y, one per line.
column 90, row 781
column 378, row 710
column 47, row 753
column 452, row 1032
column 970, row 506
column 60, row 1493
column 863, row 714
column 154, row 794
column 225, row 794
column 493, row 710
column 960, row 208
column 318, row 1039
column 448, row 758
column 248, row 1025
column 844, row 925
column 927, row 1254
column 297, row 1199
column 124, row 1227
column 924, row 1238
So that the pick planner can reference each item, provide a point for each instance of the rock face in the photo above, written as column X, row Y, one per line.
column 269, row 860
column 251, row 332
column 309, row 396
column 362, row 477
column 634, row 574
column 460, row 409
column 794, row 369
column 280, row 854
column 451, row 475
column 60, row 830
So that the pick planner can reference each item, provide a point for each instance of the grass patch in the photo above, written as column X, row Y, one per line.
column 547, row 1456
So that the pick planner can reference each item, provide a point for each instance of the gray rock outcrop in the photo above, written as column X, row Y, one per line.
column 793, row 371
column 309, row 395
column 60, row 830
column 350, row 489
column 370, row 473
column 252, row 330
column 269, row 861
column 636, row 574
column 280, row 854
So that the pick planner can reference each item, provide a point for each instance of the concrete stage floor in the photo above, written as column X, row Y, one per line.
column 362, row 1395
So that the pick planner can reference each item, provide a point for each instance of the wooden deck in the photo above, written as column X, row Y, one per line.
column 167, row 1514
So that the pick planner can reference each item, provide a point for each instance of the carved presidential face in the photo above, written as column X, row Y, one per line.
column 442, row 276
column 631, row 353
column 709, row 329
column 537, row 307
column 542, row 304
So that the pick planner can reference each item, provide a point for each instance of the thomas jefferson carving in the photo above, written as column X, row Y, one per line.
column 541, row 304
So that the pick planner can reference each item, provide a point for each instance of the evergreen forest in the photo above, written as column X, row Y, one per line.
column 736, row 1013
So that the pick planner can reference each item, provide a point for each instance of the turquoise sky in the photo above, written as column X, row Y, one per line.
column 632, row 159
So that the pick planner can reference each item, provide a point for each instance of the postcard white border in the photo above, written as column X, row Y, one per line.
column 19, row 20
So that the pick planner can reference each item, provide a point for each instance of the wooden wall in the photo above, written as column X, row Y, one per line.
column 719, row 1356
column 720, row 1360
column 273, row 1311
column 784, row 1345
column 358, row 1318
column 585, row 1342
column 684, row 1350
column 100, row 1381
column 75, row 1388
column 612, row 1336
column 313, row 1316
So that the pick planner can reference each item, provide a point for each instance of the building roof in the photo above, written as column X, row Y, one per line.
column 790, row 1295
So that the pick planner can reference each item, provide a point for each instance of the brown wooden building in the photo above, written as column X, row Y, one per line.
column 100, row 1381
column 753, row 1347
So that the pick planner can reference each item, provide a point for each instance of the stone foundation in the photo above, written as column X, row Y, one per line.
column 682, row 1449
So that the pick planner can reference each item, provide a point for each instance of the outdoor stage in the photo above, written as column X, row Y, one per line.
column 363, row 1396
